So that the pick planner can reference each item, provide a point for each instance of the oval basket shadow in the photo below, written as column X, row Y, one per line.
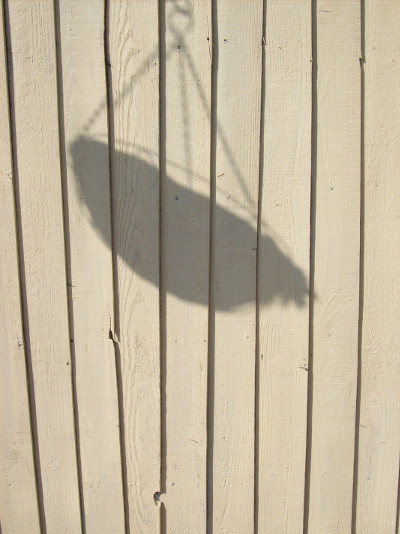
column 135, row 188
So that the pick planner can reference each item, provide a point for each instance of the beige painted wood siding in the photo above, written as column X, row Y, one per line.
column 34, row 102
column 18, row 490
column 336, row 264
column 379, row 432
column 185, row 213
column 133, row 90
column 199, row 284
column 283, row 267
column 89, row 261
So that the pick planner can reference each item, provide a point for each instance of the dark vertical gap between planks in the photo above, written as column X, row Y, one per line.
column 211, row 271
column 111, row 146
column 259, row 230
column 21, row 273
column 361, row 267
column 314, row 131
column 162, row 292
column 67, row 251
column 115, row 336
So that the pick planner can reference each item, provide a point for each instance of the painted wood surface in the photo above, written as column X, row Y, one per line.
column 44, row 286
column 283, row 280
column 199, row 296
column 18, row 497
column 185, row 213
column 379, row 426
column 89, row 261
column 336, row 266
column 234, row 245
column 134, row 145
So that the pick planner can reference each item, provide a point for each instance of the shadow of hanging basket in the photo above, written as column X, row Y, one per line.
column 135, row 188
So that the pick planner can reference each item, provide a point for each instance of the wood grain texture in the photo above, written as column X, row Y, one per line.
column 379, row 430
column 155, row 281
column 285, row 217
column 90, row 263
column 234, row 270
column 18, row 499
column 336, row 278
column 134, row 61
column 39, row 183
column 185, row 260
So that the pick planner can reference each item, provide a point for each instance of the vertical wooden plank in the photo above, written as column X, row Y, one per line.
column 234, row 270
column 336, row 278
column 90, row 263
column 185, row 260
column 39, row 182
column 283, row 267
column 379, row 430
column 133, row 41
column 18, row 500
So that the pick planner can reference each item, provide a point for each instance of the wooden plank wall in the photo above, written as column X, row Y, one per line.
column 200, row 230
